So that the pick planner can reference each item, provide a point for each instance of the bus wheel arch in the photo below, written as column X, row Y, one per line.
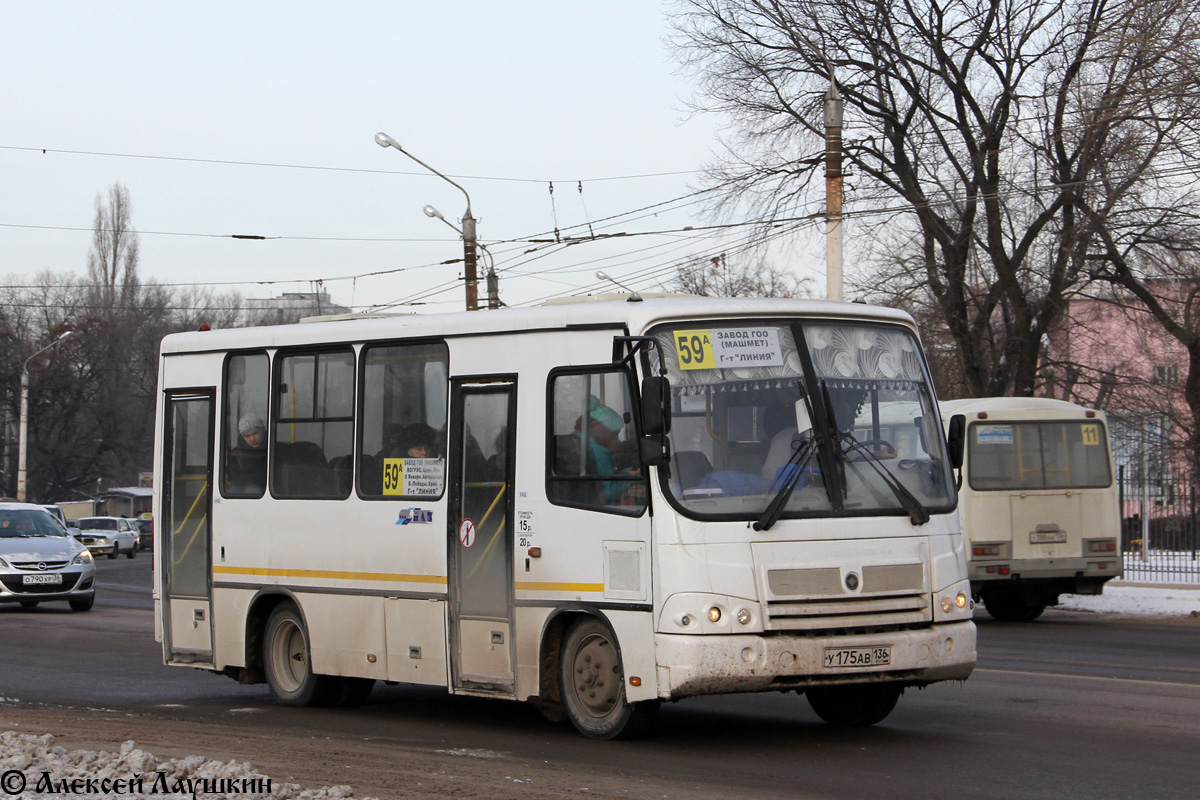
column 256, row 624
column 287, row 661
column 591, row 681
column 554, row 632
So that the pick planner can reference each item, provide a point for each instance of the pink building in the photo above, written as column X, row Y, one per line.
column 1109, row 353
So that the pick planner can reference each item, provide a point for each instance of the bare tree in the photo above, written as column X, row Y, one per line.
column 980, row 137
column 716, row 277
column 113, row 259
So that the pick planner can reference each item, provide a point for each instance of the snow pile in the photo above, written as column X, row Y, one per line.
column 1136, row 600
column 34, row 768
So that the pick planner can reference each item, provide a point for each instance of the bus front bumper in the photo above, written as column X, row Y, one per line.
column 715, row 664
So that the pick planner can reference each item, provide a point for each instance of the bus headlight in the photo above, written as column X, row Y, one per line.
column 701, row 613
column 953, row 603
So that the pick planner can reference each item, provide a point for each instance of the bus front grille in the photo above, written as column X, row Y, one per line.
column 849, row 613
column 820, row 599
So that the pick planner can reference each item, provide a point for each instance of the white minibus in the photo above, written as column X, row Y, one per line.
column 1038, row 502
column 594, row 506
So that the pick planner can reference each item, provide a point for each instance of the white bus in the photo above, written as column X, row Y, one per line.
column 484, row 502
column 1038, row 502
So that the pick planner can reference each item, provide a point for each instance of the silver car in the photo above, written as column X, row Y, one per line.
column 40, row 561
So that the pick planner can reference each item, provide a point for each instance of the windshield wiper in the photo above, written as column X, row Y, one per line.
column 802, row 456
column 908, row 501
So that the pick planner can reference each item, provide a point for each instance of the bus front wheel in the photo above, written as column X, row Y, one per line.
column 593, row 685
column 852, row 706
column 287, row 660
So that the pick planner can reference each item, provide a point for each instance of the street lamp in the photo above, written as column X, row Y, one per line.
column 22, row 448
column 493, row 282
column 468, row 221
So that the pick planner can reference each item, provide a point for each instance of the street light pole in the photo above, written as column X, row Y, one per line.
column 468, row 228
column 23, row 436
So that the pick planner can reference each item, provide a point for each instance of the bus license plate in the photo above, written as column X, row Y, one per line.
column 1047, row 537
column 875, row 656
column 53, row 577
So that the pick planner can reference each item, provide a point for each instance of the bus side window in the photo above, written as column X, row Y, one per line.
column 593, row 457
column 246, row 401
column 402, row 421
column 314, row 424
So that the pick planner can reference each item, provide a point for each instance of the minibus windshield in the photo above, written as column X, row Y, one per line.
column 822, row 418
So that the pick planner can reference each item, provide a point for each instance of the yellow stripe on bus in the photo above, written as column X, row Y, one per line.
column 322, row 573
column 550, row 586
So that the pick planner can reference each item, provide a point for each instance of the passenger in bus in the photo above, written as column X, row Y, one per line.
column 247, row 467
column 416, row 441
column 605, row 448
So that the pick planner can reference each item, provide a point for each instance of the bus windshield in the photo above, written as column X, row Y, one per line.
column 822, row 418
column 1038, row 455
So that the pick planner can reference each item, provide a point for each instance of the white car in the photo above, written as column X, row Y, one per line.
column 109, row 536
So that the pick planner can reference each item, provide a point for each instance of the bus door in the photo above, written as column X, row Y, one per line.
column 483, row 416
column 184, row 534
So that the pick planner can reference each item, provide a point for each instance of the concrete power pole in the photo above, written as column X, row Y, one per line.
column 833, row 191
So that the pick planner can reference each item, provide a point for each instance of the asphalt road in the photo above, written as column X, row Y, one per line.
column 1073, row 705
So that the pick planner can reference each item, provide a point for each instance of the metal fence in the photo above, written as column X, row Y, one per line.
column 1160, row 530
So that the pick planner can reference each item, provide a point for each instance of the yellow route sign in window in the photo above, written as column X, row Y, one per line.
column 1091, row 434
column 694, row 349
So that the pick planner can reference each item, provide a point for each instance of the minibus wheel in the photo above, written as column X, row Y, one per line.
column 1011, row 606
column 287, row 660
column 593, row 685
column 856, row 705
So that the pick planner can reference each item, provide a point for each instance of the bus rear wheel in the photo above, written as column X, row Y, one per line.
column 854, row 706
column 1011, row 606
column 287, row 661
column 593, row 685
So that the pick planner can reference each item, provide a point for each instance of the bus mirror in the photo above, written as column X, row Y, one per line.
column 655, row 451
column 656, row 405
column 955, row 439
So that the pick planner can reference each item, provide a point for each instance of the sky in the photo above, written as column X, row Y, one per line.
column 258, row 119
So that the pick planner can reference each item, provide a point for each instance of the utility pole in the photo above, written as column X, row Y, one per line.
column 833, row 191
column 23, row 444
column 468, row 228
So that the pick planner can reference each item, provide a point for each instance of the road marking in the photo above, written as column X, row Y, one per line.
column 1155, row 681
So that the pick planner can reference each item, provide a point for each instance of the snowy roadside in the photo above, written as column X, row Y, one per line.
column 33, row 766
column 1138, row 599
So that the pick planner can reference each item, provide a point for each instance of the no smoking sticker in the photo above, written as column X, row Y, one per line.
column 466, row 533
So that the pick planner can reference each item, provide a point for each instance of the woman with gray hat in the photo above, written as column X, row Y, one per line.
column 246, row 470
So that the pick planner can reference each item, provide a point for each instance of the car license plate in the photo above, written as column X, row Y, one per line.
column 872, row 656
column 1047, row 537
column 52, row 577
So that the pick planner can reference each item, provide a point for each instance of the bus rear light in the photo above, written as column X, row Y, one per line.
column 989, row 550
column 1002, row 570
column 1103, row 546
column 1102, row 565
